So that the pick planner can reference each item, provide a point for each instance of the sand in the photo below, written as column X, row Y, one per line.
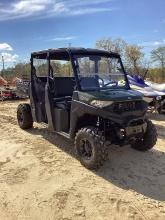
column 40, row 177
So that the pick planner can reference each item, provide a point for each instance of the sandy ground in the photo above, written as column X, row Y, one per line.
column 40, row 178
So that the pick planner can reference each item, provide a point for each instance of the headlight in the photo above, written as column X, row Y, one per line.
column 158, row 98
column 147, row 99
column 100, row 104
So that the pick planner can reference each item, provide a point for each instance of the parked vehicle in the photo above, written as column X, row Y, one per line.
column 155, row 98
column 156, row 86
column 95, row 107
column 161, row 89
column 7, row 94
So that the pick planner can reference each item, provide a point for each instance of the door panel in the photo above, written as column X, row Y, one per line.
column 37, row 96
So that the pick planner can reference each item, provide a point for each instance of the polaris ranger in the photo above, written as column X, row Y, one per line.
column 92, row 104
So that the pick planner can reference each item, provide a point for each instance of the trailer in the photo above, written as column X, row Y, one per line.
column 7, row 94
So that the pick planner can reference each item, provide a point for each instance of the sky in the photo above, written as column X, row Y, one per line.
column 32, row 25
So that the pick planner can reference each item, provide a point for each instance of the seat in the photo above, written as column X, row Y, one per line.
column 64, row 87
column 63, row 102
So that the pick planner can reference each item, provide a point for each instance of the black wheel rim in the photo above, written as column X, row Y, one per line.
column 20, row 117
column 86, row 150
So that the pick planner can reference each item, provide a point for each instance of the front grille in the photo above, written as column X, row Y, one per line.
column 126, row 106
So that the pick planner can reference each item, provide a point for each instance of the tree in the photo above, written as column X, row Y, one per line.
column 105, row 44
column 120, row 46
column 131, row 54
column 22, row 70
column 158, row 56
column 134, row 58
column 117, row 45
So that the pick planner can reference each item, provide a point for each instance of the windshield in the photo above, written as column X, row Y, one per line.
column 99, row 72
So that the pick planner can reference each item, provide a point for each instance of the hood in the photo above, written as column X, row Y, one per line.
column 110, row 95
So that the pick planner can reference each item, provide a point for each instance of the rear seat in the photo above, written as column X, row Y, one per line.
column 64, row 87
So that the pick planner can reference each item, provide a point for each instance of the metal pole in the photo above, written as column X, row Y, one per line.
column 69, row 45
column 3, row 63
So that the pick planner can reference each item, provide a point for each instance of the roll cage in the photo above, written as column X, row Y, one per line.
column 69, row 54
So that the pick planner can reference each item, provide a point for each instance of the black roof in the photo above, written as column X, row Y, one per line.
column 73, row 50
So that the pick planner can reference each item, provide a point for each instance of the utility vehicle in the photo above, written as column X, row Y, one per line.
column 88, row 101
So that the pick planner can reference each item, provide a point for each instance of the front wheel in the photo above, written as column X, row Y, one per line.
column 90, row 147
column 149, row 139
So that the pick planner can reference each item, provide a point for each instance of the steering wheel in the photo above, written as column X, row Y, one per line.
column 104, row 85
column 112, row 82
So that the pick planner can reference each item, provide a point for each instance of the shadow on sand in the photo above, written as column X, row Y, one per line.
column 142, row 172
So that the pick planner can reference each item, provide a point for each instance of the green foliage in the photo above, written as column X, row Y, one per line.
column 156, row 75
column 20, row 70
column 61, row 68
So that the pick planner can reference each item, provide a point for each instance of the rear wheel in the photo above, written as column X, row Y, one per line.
column 24, row 116
column 90, row 147
column 149, row 139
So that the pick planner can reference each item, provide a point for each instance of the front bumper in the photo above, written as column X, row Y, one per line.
column 135, row 130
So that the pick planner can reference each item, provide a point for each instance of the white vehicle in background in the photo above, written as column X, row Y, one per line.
column 155, row 97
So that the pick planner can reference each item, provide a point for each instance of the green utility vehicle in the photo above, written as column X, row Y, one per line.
column 90, row 102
